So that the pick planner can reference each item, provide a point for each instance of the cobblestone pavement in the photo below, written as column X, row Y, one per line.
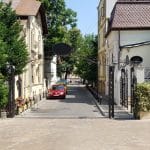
column 79, row 103
column 74, row 134
column 40, row 132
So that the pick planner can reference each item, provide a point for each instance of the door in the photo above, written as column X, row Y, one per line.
column 124, row 88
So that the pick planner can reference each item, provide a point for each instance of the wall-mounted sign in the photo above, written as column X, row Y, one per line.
column 136, row 60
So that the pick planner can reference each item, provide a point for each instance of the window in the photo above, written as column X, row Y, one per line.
column 102, row 11
column 32, row 39
column 147, row 74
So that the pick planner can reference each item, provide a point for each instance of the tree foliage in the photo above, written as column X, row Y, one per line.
column 66, row 63
column 62, row 28
column 59, row 19
column 12, row 45
column 3, row 94
column 86, row 59
column 83, row 61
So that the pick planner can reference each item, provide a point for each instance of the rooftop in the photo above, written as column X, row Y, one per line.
column 25, row 7
column 130, row 14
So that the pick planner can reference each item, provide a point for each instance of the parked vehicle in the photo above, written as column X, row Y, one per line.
column 57, row 91
column 62, row 82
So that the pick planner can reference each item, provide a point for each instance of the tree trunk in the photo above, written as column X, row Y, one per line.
column 66, row 73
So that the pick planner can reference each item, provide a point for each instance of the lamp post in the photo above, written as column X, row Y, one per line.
column 11, row 78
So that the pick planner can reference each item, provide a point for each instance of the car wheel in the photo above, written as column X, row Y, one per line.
column 64, row 97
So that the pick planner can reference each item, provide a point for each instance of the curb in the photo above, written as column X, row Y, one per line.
column 96, row 103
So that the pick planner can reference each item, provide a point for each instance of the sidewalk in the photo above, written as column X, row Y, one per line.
column 119, row 112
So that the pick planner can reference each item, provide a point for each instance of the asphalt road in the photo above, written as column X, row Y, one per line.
column 72, row 124
column 79, row 103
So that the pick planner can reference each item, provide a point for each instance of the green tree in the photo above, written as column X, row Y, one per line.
column 3, row 94
column 13, row 48
column 3, row 46
column 61, row 29
column 66, row 64
column 86, row 62
column 59, row 19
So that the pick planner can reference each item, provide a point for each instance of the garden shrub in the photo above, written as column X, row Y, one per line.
column 142, row 94
column 3, row 94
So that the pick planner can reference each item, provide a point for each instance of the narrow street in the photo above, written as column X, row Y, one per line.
column 47, row 44
column 73, row 123
column 79, row 103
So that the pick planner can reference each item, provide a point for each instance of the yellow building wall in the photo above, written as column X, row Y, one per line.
column 101, row 46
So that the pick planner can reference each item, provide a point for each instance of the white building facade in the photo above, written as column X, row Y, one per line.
column 117, row 57
column 128, row 39
column 31, row 82
column 53, row 68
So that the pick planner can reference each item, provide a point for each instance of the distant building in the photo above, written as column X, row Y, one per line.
column 53, row 68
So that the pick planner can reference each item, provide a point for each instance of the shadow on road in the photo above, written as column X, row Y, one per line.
column 78, row 94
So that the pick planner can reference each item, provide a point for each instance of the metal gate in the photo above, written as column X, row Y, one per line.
column 111, row 91
column 124, row 88
column 133, row 84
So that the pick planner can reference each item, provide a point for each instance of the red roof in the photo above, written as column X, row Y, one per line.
column 29, row 8
column 25, row 7
column 130, row 14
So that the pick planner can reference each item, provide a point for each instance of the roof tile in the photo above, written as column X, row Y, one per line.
column 131, row 15
column 25, row 7
column 28, row 7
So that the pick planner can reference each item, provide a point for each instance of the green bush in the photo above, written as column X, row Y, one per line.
column 3, row 95
column 142, row 94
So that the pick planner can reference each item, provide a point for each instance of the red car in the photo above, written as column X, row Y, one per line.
column 57, row 91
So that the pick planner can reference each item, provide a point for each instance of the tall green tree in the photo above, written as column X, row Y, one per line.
column 86, row 62
column 3, row 94
column 61, row 29
column 66, row 66
column 12, row 45
column 60, row 19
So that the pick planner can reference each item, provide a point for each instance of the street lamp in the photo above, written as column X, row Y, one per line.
column 11, row 79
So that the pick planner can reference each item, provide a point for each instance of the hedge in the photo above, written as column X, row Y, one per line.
column 142, row 94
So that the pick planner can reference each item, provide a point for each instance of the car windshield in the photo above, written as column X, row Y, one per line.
column 60, row 87
column 62, row 81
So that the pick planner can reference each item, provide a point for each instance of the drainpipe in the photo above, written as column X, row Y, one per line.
column 119, row 50
column 30, row 69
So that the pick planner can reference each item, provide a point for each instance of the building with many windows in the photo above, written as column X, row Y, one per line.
column 124, row 43
column 127, row 49
column 104, row 11
column 32, row 16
